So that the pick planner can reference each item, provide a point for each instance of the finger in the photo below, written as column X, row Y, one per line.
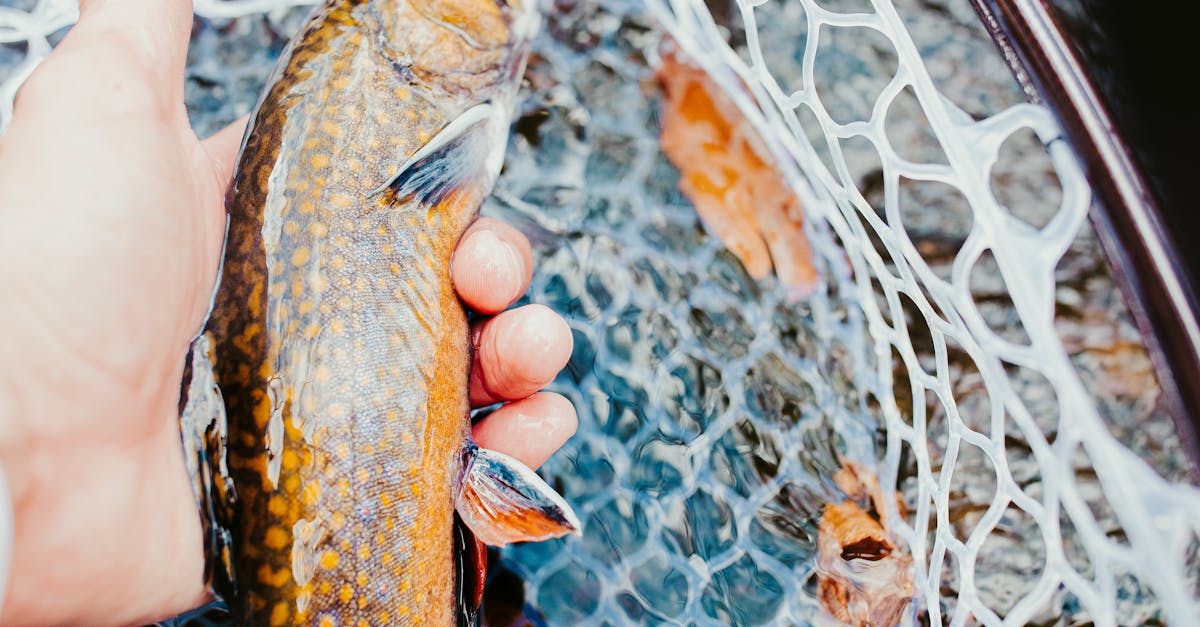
column 517, row 353
column 492, row 266
column 530, row 429
column 222, row 149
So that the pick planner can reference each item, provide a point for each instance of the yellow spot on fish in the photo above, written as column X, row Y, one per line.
column 322, row 373
column 312, row 330
column 386, row 558
column 277, row 505
column 338, row 263
column 279, row 614
column 362, row 602
column 361, row 579
column 320, row 160
column 330, row 559
column 290, row 227
column 401, row 93
column 306, row 207
column 291, row 484
column 276, row 538
column 342, row 201
column 389, row 522
column 385, row 500
column 354, row 165
column 424, row 136
column 406, row 437
column 319, row 283
column 346, row 593
column 343, row 487
column 416, row 489
column 364, row 552
column 318, row 229
column 337, row 326
column 300, row 256
column 304, row 307
column 312, row 493
column 326, row 622
column 330, row 127
column 338, row 520
column 383, row 617
column 274, row 578
column 403, row 609
column 362, row 475
column 362, row 622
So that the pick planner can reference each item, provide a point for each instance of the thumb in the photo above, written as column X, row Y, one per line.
column 138, row 34
column 222, row 149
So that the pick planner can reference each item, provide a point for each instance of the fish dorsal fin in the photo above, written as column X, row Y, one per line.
column 503, row 501
column 467, row 151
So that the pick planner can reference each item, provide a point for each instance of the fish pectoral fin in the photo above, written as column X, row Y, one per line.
column 503, row 501
column 466, row 152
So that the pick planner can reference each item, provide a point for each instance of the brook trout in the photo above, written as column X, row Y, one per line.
column 326, row 408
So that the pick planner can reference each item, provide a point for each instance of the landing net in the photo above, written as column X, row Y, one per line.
column 965, row 342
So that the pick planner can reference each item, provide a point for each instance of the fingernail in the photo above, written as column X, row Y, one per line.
column 501, row 261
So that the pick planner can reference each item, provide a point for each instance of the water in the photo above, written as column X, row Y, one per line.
column 714, row 409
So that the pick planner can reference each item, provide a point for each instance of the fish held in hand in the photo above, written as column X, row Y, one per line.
column 326, row 414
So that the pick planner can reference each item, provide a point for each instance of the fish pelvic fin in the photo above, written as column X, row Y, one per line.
column 472, row 572
column 203, row 427
column 466, row 153
column 503, row 501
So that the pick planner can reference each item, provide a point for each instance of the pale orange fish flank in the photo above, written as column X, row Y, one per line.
column 730, row 177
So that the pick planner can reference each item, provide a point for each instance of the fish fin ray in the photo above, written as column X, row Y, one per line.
column 204, row 430
column 503, row 501
column 463, row 154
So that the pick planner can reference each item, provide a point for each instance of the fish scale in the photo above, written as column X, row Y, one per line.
column 340, row 345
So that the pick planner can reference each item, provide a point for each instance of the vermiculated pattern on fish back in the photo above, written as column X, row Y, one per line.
column 331, row 323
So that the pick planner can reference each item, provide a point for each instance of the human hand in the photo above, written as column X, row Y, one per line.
column 111, row 223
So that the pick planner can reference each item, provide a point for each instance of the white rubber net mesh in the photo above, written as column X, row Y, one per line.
column 967, row 342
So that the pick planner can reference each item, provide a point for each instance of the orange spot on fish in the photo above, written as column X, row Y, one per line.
column 275, row 538
column 330, row 559
column 280, row 614
column 274, row 578
column 341, row 201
